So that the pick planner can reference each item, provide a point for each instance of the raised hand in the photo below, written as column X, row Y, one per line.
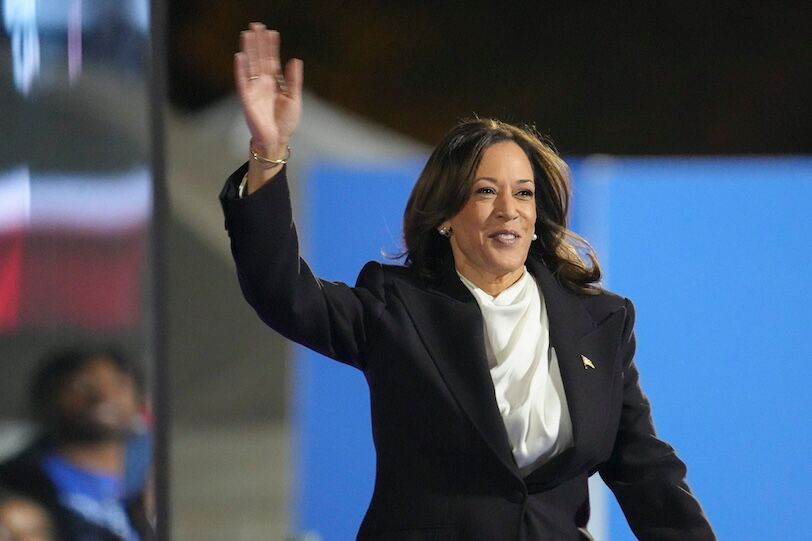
column 271, row 101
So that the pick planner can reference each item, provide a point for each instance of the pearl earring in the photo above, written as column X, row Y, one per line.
column 444, row 231
column 534, row 237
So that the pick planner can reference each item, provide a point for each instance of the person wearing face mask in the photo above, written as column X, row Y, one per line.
column 501, row 374
column 86, row 402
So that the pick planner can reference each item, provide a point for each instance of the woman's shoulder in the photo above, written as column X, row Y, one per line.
column 384, row 281
column 595, row 297
column 603, row 303
column 599, row 295
column 376, row 272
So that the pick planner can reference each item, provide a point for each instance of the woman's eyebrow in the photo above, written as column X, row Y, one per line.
column 494, row 181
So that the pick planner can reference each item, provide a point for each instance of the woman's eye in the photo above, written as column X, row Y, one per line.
column 526, row 194
column 486, row 191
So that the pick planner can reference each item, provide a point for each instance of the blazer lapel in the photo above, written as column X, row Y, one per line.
column 586, row 359
column 569, row 321
column 449, row 322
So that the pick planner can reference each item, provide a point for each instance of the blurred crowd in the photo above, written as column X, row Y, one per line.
column 86, row 474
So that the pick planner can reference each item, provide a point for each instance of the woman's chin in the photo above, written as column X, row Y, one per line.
column 503, row 270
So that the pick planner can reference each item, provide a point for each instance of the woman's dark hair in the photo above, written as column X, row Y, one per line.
column 60, row 366
column 444, row 187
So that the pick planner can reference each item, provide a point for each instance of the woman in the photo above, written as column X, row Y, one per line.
column 501, row 376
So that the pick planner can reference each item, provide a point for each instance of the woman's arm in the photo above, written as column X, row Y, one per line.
column 328, row 317
column 644, row 472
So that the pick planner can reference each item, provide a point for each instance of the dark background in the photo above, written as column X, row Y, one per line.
column 623, row 78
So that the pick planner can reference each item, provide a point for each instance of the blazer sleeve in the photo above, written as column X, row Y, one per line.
column 644, row 472
column 328, row 317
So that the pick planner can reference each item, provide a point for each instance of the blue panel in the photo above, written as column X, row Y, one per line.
column 715, row 253
column 355, row 215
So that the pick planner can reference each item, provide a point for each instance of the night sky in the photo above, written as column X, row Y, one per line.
column 621, row 78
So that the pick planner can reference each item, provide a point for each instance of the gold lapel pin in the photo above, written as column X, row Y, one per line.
column 587, row 362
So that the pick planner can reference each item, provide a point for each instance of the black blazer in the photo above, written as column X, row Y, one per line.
column 445, row 469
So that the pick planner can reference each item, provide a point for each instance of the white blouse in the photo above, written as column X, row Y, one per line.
column 524, row 369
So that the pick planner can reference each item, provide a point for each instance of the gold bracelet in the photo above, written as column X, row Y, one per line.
column 265, row 162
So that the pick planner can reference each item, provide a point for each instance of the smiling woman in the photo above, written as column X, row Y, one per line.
column 501, row 375
column 490, row 236
column 469, row 181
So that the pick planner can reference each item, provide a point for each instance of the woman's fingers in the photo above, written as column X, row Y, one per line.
column 242, row 75
column 294, row 75
column 261, row 48
column 239, row 71
column 249, row 47
column 270, row 52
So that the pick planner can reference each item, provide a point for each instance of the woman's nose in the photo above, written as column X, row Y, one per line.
column 506, row 208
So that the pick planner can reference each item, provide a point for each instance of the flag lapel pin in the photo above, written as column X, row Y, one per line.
column 587, row 363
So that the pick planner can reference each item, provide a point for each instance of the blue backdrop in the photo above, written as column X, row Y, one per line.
column 713, row 251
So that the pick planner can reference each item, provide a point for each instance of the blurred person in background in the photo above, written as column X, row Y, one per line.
column 22, row 519
column 86, row 402
column 501, row 374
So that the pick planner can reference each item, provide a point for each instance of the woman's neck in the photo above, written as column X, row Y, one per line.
column 492, row 284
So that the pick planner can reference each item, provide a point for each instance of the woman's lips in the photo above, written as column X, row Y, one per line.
column 505, row 237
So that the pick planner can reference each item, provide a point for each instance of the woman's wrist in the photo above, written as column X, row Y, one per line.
column 269, row 150
column 264, row 163
column 276, row 157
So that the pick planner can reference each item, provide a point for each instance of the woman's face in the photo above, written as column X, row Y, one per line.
column 491, row 234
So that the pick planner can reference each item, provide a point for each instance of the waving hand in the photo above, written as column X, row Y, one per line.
column 271, row 101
